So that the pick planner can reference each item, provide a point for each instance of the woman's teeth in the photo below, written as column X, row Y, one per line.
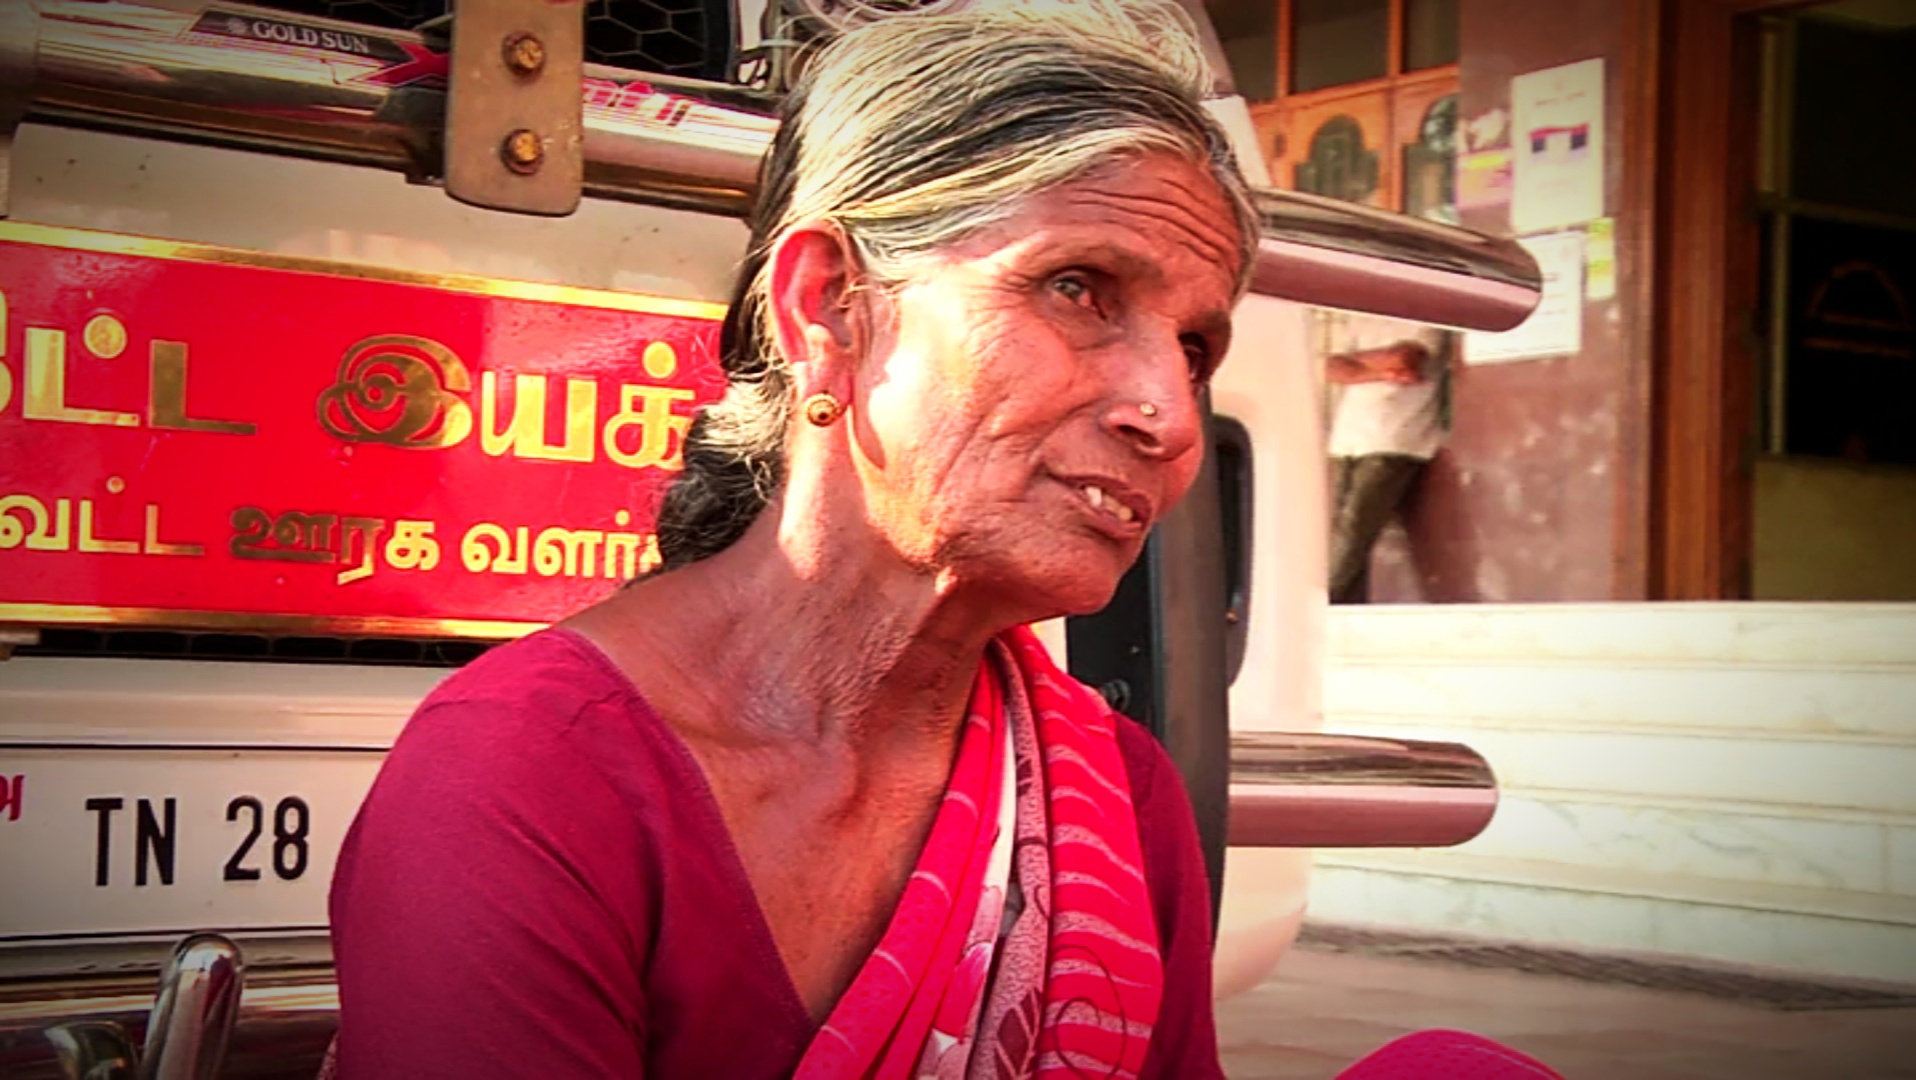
column 1094, row 495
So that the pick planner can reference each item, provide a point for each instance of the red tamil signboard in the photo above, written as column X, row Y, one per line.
column 204, row 438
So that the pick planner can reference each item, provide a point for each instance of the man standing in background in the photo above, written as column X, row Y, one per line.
column 1389, row 416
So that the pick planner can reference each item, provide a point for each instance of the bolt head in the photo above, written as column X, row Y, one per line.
column 524, row 54
column 523, row 151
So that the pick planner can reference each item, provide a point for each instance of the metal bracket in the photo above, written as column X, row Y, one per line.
column 19, row 58
column 515, row 127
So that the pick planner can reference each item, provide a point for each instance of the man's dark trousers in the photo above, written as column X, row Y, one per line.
column 1366, row 492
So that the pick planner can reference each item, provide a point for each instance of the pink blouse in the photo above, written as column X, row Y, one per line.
column 540, row 885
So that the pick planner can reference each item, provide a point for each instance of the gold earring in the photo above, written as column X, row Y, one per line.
column 822, row 409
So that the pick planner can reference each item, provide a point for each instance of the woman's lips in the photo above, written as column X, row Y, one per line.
column 1094, row 494
column 1122, row 510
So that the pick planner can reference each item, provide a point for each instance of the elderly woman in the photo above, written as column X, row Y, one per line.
column 812, row 800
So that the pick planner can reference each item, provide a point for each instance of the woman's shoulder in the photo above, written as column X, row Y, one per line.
column 516, row 827
column 543, row 686
column 538, row 751
column 548, row 670
column 540, row 713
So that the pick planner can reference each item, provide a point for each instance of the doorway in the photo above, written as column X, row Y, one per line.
column 1833, row 481
column 1786, row 358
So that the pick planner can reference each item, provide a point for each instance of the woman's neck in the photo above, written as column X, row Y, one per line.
column 800, row 635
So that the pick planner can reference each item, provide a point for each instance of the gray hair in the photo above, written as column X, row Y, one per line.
column 912, row 134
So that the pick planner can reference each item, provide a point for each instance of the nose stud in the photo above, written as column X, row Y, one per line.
column 1147, row 409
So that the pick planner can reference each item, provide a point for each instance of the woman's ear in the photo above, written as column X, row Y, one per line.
column 812, row 294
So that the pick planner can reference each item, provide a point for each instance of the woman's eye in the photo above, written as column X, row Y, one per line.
column 1075, row 288
column 1198, row 354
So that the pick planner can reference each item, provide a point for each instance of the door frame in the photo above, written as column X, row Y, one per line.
column 1706, row 292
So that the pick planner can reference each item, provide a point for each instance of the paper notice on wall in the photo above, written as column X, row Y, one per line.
column 1555, row 328
column 1483, row 179
column 1557, row 143
column 1600, row 260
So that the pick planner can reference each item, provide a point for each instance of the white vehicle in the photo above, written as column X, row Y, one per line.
column 235, row 549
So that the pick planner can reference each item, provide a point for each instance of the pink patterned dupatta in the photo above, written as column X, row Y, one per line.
column 1024, row 945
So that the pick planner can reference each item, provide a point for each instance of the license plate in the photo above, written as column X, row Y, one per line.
column 99, row 843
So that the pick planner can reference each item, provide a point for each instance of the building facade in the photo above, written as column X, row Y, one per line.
column 1718, row 410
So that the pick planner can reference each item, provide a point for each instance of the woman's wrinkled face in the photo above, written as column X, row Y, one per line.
column 1030, row 406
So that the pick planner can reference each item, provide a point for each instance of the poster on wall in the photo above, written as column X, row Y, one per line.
column 1557, row 139
column 1600, row 260
column 1555, row 328
column 1483, row 179
column 1483, row 169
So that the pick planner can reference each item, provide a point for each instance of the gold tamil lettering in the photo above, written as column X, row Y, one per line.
column 37, row 529
column 46, row 397
column 412, row 546
column 292, row 537
column 96, row 545
column 398, row 390
column 59, row 537
column 479, row 558
column 166, row 403
column 563, row 551
column 306, row 534
column 6, row 373
column 250, row 527
column 661, row 431
column 14, row 531
column 525, row 436
column 366, row 531
column 634, row 553
column 155, row 546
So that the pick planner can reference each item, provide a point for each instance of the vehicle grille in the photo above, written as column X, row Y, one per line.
column 177, row 645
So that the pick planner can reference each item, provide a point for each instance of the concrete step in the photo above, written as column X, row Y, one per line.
column 1813, row 931
column 1784, row 773
column 1730, row 782
column 1742, row 634
column 1714, row 841
column 1709, row 699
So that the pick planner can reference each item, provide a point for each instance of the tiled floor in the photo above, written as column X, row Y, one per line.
column 1322, row 1011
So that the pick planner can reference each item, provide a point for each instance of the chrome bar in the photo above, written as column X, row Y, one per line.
column 266, row 80
column 1338, row 254
column 193, row 1016
column 1293, row 790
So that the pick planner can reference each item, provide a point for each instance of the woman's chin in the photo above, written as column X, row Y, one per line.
column 1080, row 593
column 1085, row 581
column 1056, row 580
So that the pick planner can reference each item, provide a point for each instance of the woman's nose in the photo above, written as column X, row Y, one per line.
column 1159, row 414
